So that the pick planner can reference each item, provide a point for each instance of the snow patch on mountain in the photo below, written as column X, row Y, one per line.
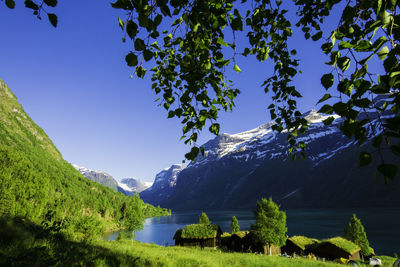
column 125, row 187
column 84, row 170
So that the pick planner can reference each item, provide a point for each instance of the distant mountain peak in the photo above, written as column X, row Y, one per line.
column 133, row 185
column 313, row 116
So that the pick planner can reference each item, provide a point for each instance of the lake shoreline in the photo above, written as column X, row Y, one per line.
column 315, row 223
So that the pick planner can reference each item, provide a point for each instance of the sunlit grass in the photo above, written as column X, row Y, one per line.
column 154, row 255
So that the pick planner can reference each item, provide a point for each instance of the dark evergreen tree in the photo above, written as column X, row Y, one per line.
column 355, row 232
column 203, row 219
column 235, row 225
column 270, row 227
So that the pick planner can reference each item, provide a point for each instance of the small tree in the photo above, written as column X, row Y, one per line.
column 270, row 227
column 203, row 219
column 355, row 232
column 234, row 225
column 133, row 212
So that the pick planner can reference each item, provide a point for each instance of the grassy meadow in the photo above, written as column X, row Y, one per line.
column 26, row 244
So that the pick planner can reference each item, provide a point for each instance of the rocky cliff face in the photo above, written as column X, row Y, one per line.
column 163, row 185
column 98, row 176
column 239, row 169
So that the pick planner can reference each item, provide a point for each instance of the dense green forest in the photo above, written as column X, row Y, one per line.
column 38, row 186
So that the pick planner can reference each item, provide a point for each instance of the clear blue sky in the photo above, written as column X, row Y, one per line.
column 74, row 83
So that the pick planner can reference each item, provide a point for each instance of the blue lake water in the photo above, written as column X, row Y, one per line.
column 381, row 225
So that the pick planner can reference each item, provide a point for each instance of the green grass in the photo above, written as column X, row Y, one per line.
column 342, row 243
column 199, row 231
column 387, row 261
column 302, row 241
column 153, row 255
column 23, row 243
column 225, row 234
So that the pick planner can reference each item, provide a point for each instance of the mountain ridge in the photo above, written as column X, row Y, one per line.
column 127, row 186
column 238, row 169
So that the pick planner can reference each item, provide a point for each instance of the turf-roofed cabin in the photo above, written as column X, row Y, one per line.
column 246, row 241
column 199, row 235
column 337, row 247
column 236, row 242
column 299, row 245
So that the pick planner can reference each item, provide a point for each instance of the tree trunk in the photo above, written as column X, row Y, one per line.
column 270, row 252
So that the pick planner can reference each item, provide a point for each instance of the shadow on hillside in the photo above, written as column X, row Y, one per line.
column 23, row 243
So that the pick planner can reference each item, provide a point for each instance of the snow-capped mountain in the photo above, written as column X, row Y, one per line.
column 127, row 186
column 130, row 186
column 98, row 176
column 239, row 169
column 163, row 185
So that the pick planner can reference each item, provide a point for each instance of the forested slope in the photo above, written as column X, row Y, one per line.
column 36, row 184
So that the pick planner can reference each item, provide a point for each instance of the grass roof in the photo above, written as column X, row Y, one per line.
column 225, row 234
column 199, row 231
column 344, row 244
column 303, row 241
column 242, row 234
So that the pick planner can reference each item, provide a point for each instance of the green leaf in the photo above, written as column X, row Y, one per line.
column 317, row 36
column 121, row 23
column 192, row 154
column 214, row 128
column 30, row 4
column 365, row 159
column 385, row 17
column 10, row 4
column 325, row 97
column 327, row 47
column 363, row 46
column 344, row 45
column 148, row 55
column 379, row 5
column 171, row 114
column 237, row 69
column 53, row 19
column 51, row 3
column 328, row 121
column 327, row 109
column 388, row 170
column 131, row 59
column 343, row 63
column 327, row 81
column 221, row 41
column 131, row 29
column 139, row 44
column 333, row 37
column 158, row 20
column 383, row 53
column 237, row 24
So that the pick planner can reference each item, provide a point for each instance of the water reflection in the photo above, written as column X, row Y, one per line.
column 381, row 225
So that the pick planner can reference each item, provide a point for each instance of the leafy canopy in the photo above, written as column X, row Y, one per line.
column 270, row 226
column 235, row 225
column 203, row 219
column 189, row 45
column 355, row 232
column 189, row 60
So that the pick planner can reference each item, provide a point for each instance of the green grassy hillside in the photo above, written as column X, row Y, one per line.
column 38, row 185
